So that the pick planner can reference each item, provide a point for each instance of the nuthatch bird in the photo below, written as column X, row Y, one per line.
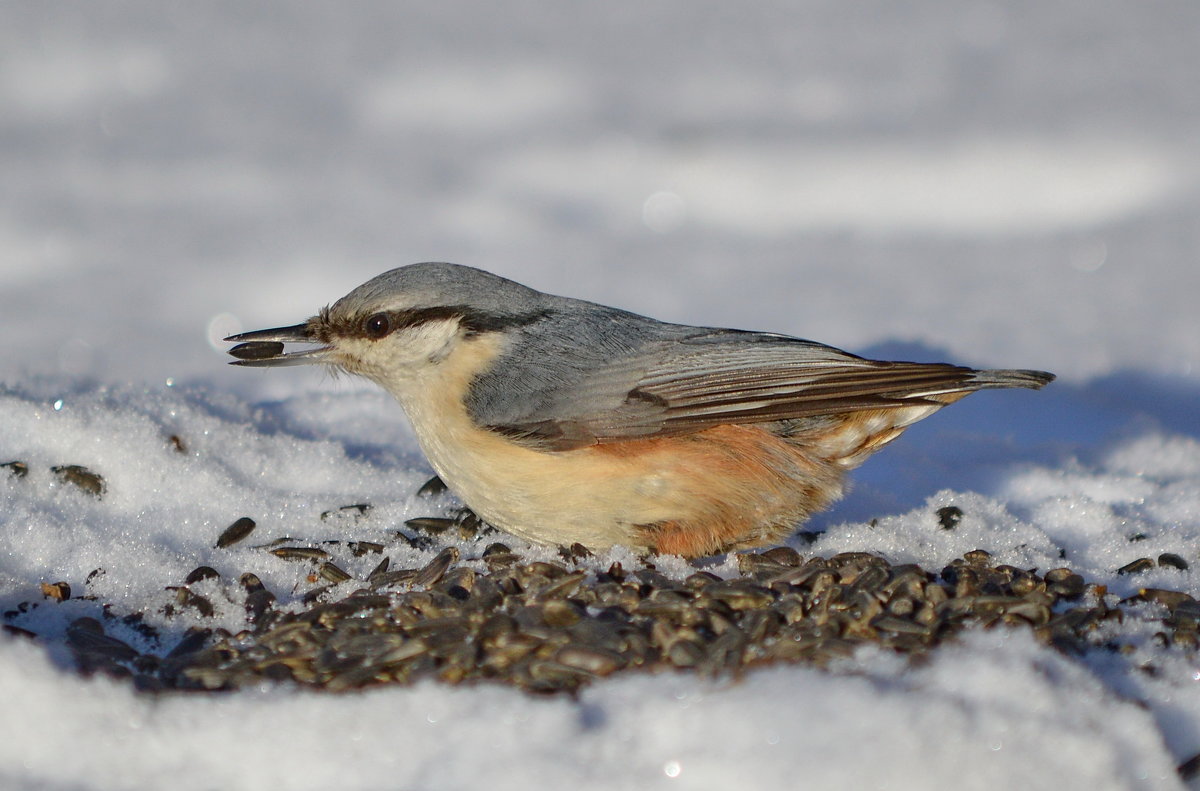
column 564, row 421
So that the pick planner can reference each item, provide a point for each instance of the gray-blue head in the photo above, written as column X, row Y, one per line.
column 407, row 316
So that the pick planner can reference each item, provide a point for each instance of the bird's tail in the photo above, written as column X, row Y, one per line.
column 1034, row 380
column 858, row 434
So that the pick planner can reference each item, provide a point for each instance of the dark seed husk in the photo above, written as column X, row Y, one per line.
column 434, row 570
column 891, row 623
column 1066, row 585
column 758, row 565
column 299, row 553
column 432, row 487
column 82, row 478
column 591, row 659
column 257, row 350
column 258, row 603
column 251, row 582
column 237, row 531
column 1171, row 560
column 94, row 650
column 193, row 640
column 686, row 653
column 559, row 612
column 201, row 573
column 185, row 598
column 1171, row 599
column 1137, row 566
column 379, row 569
column 467, row 523
column 430, row 524
column 316, row 594
column 784, row 556
column 18, row 469
column 576, row 551
column 740, row 595
column 949, row 516
column 383, row 579
column 1187, row 610
column 333, row 573
column 562, row 587
column 977, row 557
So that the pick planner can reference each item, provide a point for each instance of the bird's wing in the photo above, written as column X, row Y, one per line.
column 716, row 377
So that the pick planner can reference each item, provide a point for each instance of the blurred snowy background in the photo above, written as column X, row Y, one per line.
column 1000, row 185
column 1014, row 184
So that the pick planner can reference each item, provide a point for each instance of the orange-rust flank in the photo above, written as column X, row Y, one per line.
column 738, row 486
column 750, row 485
column 673, row 538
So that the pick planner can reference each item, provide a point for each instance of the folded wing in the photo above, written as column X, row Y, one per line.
column 720, row 377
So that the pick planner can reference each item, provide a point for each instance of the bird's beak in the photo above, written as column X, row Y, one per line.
column 264, row 348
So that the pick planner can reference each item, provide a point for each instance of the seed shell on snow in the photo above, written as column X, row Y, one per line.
column 236, row 532
column 17, row 469
column 81, row 478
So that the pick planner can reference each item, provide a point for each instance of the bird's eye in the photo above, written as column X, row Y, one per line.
column 378, row 325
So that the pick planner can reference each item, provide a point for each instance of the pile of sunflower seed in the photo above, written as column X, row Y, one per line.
column 553, row 627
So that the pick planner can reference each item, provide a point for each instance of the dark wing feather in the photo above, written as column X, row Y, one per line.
column 704, row 378
column 696, row 401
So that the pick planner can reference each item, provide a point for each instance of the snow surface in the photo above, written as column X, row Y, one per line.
column 1003, row 185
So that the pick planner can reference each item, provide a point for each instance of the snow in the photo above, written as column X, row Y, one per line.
column 968, row 729
column 990, row 185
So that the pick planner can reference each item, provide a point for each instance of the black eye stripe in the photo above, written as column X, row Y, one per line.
column 381, row 324
column 402, row 319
